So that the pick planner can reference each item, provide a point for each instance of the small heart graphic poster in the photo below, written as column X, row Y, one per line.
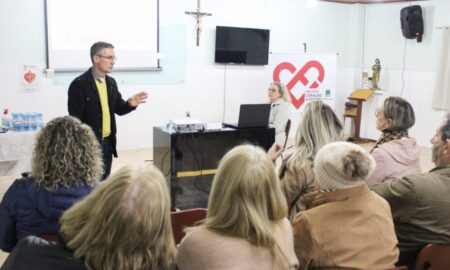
column 308, row 77
column 30, row 78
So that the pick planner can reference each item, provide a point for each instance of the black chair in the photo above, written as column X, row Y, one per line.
column 286, row 131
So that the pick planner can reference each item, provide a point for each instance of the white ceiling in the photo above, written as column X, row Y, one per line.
column 367, row 1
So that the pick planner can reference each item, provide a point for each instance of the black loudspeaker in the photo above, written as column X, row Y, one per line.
column 412, row 22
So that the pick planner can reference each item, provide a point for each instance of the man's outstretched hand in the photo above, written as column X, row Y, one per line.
column 137, row 99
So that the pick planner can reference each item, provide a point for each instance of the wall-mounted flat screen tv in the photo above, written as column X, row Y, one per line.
column 242, row 45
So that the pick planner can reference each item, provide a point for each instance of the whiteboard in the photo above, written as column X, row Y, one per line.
column 72, row 26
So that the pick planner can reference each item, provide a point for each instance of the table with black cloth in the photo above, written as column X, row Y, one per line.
column 189, row 160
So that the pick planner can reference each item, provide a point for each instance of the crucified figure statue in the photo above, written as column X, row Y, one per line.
column 198, row 17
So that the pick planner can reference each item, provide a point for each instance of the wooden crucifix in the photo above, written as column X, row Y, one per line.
column 198, row 17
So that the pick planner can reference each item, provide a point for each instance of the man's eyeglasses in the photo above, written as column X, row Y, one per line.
column 109, row 57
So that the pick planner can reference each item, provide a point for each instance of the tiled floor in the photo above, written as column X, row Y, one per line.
column 142, row 156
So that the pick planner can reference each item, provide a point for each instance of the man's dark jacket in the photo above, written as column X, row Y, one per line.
column 84, row 104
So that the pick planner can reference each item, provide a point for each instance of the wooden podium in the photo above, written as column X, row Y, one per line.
column 357, row 97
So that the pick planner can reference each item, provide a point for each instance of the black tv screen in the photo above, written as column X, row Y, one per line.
column 242, row 45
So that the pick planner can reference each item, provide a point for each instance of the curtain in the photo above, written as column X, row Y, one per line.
column 441, row 98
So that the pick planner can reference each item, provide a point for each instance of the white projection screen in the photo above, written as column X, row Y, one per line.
column 72, row 26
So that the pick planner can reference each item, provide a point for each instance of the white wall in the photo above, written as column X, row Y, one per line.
column 383, row 39
column 212, row 92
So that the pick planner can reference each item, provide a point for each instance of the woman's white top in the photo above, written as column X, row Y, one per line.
column 280, row 111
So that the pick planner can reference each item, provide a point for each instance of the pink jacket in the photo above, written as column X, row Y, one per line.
column 395, row 159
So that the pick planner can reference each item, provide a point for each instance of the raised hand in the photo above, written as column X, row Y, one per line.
column 275, row 151
column 137, row 99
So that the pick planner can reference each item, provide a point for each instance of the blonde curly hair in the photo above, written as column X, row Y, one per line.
column 66, row 153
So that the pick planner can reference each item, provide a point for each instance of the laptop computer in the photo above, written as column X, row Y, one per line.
column 252, row 116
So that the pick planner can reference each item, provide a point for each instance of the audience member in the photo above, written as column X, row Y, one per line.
column 348, row 226
column 123, row 224
column 280, row 110
column 66, row 163
column 395, row 153
column 318, row 126
column 246, row 225
column 420, row 203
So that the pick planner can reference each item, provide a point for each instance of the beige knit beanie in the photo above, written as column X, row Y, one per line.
column 341, row 165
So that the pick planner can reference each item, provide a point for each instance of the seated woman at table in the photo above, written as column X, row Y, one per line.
column 280, row 110
column 123, row 224
column 246, row 225
column 66, row 165
column 318, row 126
column 396, row 153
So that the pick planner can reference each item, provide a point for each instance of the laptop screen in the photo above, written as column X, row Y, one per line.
column 254, row 115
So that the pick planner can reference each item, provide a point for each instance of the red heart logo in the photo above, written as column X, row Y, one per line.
column 29, row 76
column 299, row 77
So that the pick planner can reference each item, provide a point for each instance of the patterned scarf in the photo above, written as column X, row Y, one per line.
column 390, row 135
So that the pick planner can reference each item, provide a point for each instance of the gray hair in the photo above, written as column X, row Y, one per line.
column 400, row 112
column 98, row 46
column 66, row 153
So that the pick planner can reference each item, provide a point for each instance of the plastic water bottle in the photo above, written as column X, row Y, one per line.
column 16, row 122
column 25, row 121
column 33, row 123
column 39, row 120
column 6, row 119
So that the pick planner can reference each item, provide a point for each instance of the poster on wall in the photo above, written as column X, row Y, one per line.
column 308, row 77
column 30, row 78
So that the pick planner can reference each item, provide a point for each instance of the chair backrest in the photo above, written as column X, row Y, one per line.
column 286, row 131
column 433, row 257
column 183, row 219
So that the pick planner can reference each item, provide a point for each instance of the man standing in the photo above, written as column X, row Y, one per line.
column 94, row 99
column 420, row 203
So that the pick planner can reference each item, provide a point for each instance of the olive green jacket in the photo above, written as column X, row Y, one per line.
column 420, row 205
